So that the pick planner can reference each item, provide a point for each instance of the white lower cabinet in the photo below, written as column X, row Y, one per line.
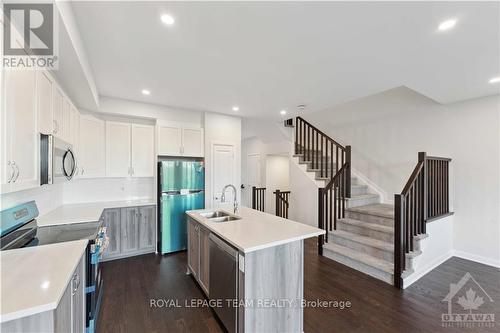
column 131, row 231
column 68, row 317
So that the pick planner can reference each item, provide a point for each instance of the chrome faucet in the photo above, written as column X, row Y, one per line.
column 223, row 197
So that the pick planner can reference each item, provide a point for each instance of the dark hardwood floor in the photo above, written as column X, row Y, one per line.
column 131, row 284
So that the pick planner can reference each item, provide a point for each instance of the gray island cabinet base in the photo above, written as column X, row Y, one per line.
column 273, row 287
column 270, row 282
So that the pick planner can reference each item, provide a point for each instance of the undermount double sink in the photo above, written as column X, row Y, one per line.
column 219, row 216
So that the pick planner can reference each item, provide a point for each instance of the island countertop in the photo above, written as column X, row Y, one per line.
column 256, row 230
column 35, row 278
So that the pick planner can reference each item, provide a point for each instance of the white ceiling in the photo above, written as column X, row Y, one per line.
column 266, row 57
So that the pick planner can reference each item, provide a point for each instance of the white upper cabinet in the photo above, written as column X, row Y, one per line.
column 57, row 113
column 44, row 85
column 180, row 140
column 91, row 147
column 117, row 149
column 143, row 141
column 169, row 140
column 20, row 131
column 66, row 120
column 192, row 142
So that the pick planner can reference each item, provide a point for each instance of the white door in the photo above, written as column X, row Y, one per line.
column 192, row 142
column 223, row 171
column 169, row 140
column 253, row 177
column 22, row 128
column 143, row 137
column 44, row 102
column 117, row 149
column 57, row 112
column 92, row 147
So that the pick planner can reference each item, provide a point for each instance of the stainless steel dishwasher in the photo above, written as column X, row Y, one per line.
column 224, row 280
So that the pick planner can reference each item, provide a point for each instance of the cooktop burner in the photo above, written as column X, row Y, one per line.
column 65, row 233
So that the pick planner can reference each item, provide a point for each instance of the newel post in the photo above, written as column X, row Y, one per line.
column 277, row 199
column 399, row 238
column 348, row 171
column 422, row 157
column 321, row 239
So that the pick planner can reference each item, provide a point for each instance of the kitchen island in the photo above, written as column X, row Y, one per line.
column 262, row 288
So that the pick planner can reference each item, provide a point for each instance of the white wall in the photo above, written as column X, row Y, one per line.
column 436, row 249
column 47, row 197
column 116, row 106
column 276, row 178
column 388, row 129
column 108, row 189
column 303, row 197
column 221, row 128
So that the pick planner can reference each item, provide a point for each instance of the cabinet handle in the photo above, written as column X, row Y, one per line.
column 76, row 283
column 12, row 172
column 17, row 173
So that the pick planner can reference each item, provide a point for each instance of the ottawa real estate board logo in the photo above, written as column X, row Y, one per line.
column 469, row 305
column 30, row 39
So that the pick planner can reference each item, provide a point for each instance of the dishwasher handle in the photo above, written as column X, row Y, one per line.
column 223, row 246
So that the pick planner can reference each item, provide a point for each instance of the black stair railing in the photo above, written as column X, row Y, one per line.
column 282, row 203
column 424, row 198
column 332, row 161
column 258, row 198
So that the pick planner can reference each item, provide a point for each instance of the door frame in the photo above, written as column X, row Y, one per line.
column 212, row 149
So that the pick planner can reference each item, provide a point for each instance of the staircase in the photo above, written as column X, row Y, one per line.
column 364, row 237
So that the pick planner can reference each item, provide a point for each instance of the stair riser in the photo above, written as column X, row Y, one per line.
column 374, row 252
column 370, row 218
column 359, row 230
column 362, row 202
column 360, row 247
column 359, row 190
column 359, row 266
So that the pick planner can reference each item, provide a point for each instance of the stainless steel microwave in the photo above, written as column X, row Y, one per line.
column 57, row 160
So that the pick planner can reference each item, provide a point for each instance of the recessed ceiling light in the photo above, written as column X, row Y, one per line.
column 236, row 108
column 146, row 92
column 167, row 19
column 448, row 24
column 495, row 79
column 283, row 112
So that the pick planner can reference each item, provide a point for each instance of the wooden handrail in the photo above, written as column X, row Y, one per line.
column 258, row 198
column 424, row 197
column 282, row 203
column 320, row 132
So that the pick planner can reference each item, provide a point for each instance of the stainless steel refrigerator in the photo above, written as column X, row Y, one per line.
column 181, row 187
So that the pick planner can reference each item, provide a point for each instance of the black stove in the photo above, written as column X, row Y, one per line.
column 18, row 228
column 65, row 233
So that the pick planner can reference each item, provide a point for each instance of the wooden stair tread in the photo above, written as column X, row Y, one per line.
column 381, row 210
column 366, row 259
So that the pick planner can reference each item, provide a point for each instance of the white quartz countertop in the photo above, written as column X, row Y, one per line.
column 35, row 278
column 86, row 212
column 256, row 230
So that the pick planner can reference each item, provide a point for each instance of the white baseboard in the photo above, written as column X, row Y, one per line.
column 476, row 258
column 426, row 269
